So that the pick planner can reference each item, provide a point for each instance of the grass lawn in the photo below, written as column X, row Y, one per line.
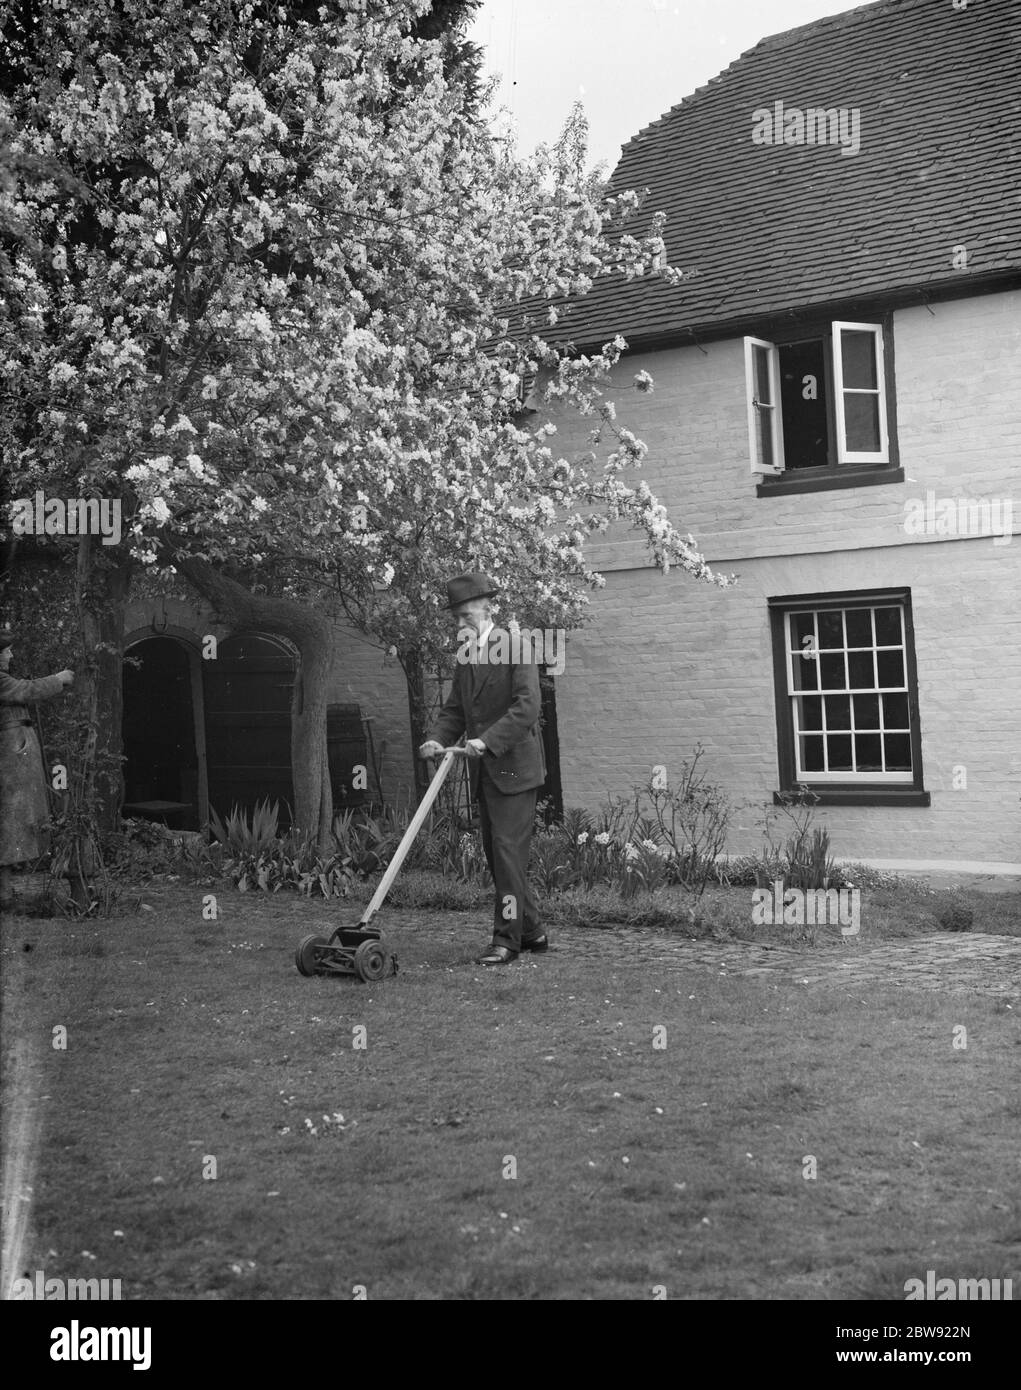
column 636, row 1166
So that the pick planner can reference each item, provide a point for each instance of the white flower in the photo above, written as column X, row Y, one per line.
column 583, row 837
column 643, row 382
column 603, row 838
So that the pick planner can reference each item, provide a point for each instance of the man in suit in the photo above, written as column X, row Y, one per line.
column 496, row 705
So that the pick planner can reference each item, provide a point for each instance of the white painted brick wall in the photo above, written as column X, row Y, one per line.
column 668, row 662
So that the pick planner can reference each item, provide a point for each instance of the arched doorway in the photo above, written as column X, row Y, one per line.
column 163, row 733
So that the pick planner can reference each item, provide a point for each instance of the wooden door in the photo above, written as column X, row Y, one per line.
column 248, row 689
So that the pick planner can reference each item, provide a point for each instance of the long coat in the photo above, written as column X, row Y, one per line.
column 23, row 803
column 500, row 704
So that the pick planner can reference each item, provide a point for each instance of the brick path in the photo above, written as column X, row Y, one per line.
column 966, row 961
column 969, row 961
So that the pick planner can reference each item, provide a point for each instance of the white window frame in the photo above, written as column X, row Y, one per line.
column 755, row 406
column 844, row 454
column 874, row 777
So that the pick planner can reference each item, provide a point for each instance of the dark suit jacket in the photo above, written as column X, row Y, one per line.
column 499, row 704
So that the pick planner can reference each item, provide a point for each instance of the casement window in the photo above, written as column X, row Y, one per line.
column 820, row 407
column 847, row 697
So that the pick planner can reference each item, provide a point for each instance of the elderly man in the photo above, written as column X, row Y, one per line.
column 496, row 705
column 24, row 808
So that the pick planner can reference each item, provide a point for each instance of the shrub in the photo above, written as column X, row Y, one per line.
column 241, row 836
column 256, row 858
column 444, row 844
column 692, row 818
column 141, row 848
column 803, row 860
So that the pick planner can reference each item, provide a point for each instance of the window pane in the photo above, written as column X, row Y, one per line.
column 866, row 711
column 891, row 668
column 869, row 752
column 811, row 754
column 898, row 752
column 831, row 629
column 888, row 632
column 858, row 351
column 802, row 626
column 765, row 418
column 859, row 627
column 860, row 670
column 832, row 668
column 895, row 712
column 838, row 711
column 861, row 419
column 806, row 673
column 839, row 748
column 810, row 712
column 762, row 374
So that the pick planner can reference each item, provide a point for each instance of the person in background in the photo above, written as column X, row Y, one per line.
column 23, row 804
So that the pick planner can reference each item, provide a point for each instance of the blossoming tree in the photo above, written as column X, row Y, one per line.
column 271, row 284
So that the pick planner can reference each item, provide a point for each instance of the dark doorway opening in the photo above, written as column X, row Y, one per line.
column 161, row 767
column 551, row 793
column 248, row 690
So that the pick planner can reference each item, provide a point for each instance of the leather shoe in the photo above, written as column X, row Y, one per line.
column 497, row 955
column 537, row 943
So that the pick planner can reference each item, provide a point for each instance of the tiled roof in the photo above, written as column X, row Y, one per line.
column 767, row 228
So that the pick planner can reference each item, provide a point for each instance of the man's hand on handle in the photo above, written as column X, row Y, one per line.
column 474, row 748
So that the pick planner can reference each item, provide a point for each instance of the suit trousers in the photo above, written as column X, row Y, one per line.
column 506, row 824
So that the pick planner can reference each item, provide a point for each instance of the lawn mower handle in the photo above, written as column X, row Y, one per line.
column 414, row 826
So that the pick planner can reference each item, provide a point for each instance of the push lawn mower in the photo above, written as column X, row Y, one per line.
column 361, row 950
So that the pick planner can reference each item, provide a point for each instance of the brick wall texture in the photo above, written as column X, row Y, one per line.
column 667, row 662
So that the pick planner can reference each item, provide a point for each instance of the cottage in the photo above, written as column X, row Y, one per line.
column 850, row 348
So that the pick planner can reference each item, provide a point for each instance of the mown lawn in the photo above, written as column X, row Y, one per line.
column 681, row 1166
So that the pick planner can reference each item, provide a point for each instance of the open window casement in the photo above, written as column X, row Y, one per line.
column 860, row 393
column 765, row 426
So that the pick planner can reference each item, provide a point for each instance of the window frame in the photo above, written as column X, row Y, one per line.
column 835, row 474
column 755, row 406
column 844, row 454
column 856, row 790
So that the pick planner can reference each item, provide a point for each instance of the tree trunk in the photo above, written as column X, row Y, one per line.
column 312, row 634
column 101, row 599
